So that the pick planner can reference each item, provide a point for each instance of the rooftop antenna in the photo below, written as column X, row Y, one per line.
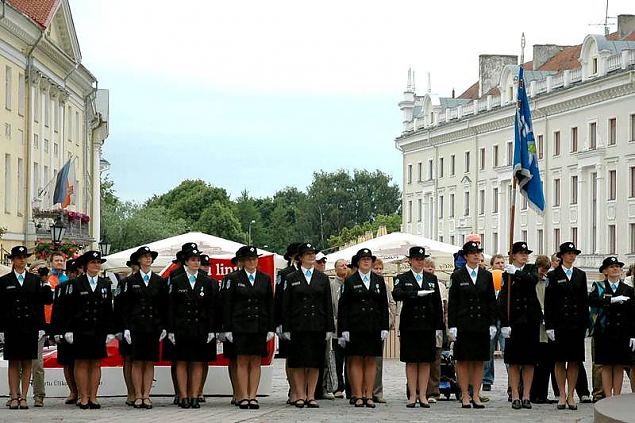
column 606, row 23
column 429, row 84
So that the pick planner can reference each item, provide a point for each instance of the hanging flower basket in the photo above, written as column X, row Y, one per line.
column 43, row 249
column 76, row 216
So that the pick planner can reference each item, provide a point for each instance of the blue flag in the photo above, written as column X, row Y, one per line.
column 526, row 169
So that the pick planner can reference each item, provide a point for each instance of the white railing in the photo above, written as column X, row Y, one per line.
column 576, row 74
column 614, row 62
column 557, row 81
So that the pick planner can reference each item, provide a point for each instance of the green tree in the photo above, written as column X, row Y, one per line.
column 219, row 220
column 391, row 222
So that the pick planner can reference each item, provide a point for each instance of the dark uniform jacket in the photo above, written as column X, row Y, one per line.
column 144, row 308
column 60, row 308
column 89, row 312
column 471, row 307
column 615, row 320
column 418, row 313
column 361, row 309
column 279, row 293
column 524, row 306
column 247, row 308
column 193, row 312
column 307, row 307
column 22, row 307
column 566, row 302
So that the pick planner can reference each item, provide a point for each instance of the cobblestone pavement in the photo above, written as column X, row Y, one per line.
column 273, row 408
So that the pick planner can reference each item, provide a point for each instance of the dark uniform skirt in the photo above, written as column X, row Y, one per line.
column 144, row 347
column 522, row 346
column 568, row 346
column 65, row 354
column 307, row 350
column 417, row 346
column 612, row 351
column 364, row 344
column 89, row 347
column 124, row 348
column 167, row 350
column 250, row 344
column 229, row 351
column 20, row 346
column 283, row 348
column 194, row 349
column 472, row 346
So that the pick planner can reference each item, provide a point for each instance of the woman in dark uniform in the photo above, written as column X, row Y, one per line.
column 124, row 347
column 248, row 323
column 520, row 315
column 308, row 322
column 64, row 350
column 89, row 326
column 144, row 303
column 22, row 299
column 614, row 331
column 193, row 321
column 567, row 321
column 472, row 321
column 421, row 320
column 362, row 326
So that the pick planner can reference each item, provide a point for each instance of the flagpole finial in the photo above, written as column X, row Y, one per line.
column 522, row 49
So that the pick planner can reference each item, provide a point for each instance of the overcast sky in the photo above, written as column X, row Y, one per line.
column 258, row 95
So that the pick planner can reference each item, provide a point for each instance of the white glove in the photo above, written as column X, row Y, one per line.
column 109, row 338
column 68, row 337
column 171, row 338
column 164, row 333
column 551, row 334
column 119, row 336
column 127, row 337
column 631, row 343
column 424, row 292
column 510, row 268
column 384, row 335
column 210, row 336
column 329, row 336
column 58, row 339
column 346, row 336
column 1, row 336
column 452, row 334
column 341, row 342
column 221, row 336
column 229, row 336
column 492, row 332
column 286, row 335
column 619, row 299
column 269, row 336
column 506, row 332
column 40, row 335
column 439, row 339
column 279, row 331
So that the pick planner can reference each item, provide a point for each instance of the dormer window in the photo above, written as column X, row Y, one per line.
column 511, row 93
column 594, row 66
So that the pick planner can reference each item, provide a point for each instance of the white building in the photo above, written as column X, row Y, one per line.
column 457, row 152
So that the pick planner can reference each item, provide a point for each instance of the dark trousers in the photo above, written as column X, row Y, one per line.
column 542, row 372
column 339, row 365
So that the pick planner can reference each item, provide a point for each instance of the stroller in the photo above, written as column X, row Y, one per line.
column 447, row 381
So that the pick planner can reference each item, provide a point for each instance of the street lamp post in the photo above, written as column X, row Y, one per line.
column 249, row 232
column 104, row 246
column 57, row 232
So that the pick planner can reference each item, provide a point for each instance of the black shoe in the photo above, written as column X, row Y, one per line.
column 411, row 405
column 201, row 399
column 477, row 406
column 94, row 405
column 586, row 399
column 466, row 405
column 83, row 406
column 299, row 403
column 175, row 401
column 253, row 404
column 184, row 403
column 424, row 404
column 516, row 405
column 561, row 406
column 312, row 404
column 526, row 404
column 509, row 398
column 194, row 403
column 487, row 387
column 539, row 401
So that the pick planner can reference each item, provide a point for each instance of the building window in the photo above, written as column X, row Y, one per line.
column 36, row 176
column 409, row 211
column 594, row 66
column 612, row 241
column 556, row 192
column 409, row 174
column 47, row 109
column 21, row 187
column 574, row 235
column 440, row 206
column 440, row 238
column 481, row 202
column 574, row 139
column 556, row 238
column 70, row 124
column 612, row 131
column 430, row 170
column 510, row 153
column 452, row 239
column 462, row 239
column 46, row 145
column 56, row 149
column 495, row 200
column 36, row 142
column 441, row 167
column 612, row 184
column 632, row 182
column 632, row 226
column 495, row 164
column 523, row 235
column 556, row 143
column 451, row 211
column 419, row 171
column 467, row 161
column 420, row 210
column 523, row 202
column 482, row 158
column 8, row 85
column 7, row 183
column 482, row 240
column 574, row 190
column 452, row 163
column 540, row 146
column 593, row 136
column 541, row 240
column 632, row 127
column 466, row 205
column 21, row 93
column 76, row 128
column 495, row 242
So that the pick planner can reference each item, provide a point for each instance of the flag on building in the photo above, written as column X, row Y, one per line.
column 65, row 185
column 526, row 169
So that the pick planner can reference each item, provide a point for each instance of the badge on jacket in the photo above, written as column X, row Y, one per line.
column 396, row 281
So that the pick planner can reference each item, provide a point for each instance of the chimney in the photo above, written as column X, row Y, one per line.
column 625, row 25
column 490, row 67
column 452, row 92
column 544, row 52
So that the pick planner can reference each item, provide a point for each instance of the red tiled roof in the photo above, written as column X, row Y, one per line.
column 471, row 93
column 566, row 59
column 40, row 11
